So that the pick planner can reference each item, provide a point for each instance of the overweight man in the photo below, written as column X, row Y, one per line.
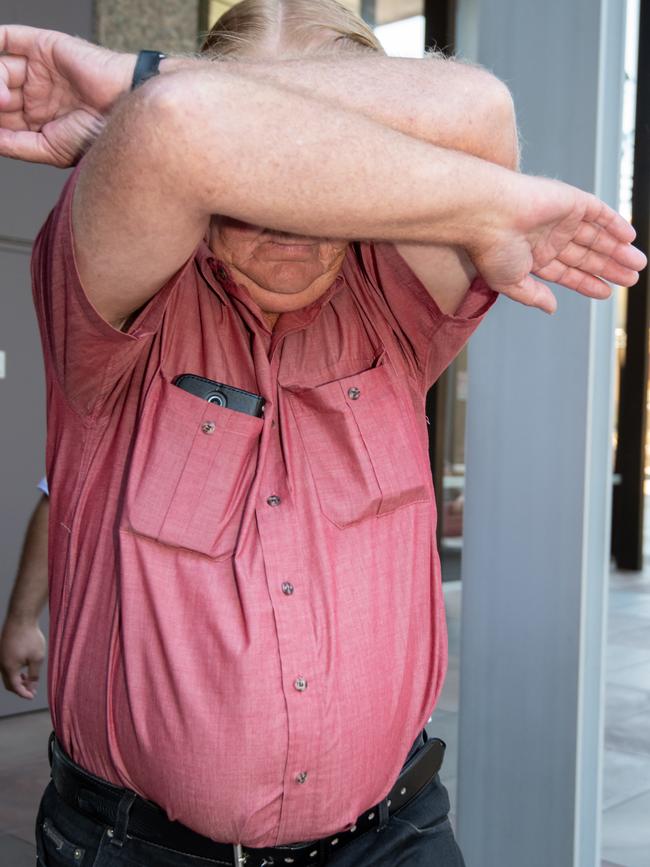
column 247, row 286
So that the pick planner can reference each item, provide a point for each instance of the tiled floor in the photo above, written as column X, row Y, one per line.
column 626, row 790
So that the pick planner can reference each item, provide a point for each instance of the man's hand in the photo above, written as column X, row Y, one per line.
column 54, row 92
column 559, row 233
column 22, row 646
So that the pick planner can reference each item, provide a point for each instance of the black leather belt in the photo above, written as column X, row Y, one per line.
column 99, row 800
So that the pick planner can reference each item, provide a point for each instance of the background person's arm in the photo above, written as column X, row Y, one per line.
column 211, row 140
column 22, row 644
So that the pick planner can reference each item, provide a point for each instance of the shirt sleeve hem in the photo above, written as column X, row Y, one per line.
column 475, row 303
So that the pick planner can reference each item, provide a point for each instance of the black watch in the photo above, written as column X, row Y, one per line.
column 146, row 66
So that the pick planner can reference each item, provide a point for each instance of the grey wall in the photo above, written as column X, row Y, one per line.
column 535, row 561
column 28, row 193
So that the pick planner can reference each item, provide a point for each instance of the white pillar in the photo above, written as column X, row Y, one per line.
column 536, row 553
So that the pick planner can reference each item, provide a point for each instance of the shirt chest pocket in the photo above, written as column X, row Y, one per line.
column 191, row 472
column 361, row 447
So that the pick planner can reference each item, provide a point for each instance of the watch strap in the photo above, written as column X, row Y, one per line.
column 146, row 66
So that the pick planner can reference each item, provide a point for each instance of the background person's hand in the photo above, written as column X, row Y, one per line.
column 559, row 233
column 22, row 646
column 54, row 92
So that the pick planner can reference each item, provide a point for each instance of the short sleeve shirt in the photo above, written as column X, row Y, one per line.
column 246, row 612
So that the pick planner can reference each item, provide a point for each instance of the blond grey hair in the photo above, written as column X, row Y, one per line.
column 288, row 28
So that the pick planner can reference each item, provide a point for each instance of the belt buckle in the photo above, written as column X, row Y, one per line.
column 240, row 856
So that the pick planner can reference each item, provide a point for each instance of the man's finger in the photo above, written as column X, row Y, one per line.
column 28, row 146
column 18, row 38
column 4, row 84
column 532, row 293
column 13, row 120
column 574, row 278
column 598, row 239
column 599, row 264
column 15, row 69
column 12, row 76
column 14, row 101
column 12, row 681
column 20, row 688
column 601, row 214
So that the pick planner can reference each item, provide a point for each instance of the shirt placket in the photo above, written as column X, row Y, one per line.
column 289, row 591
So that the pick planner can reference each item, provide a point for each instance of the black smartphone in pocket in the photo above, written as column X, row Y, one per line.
column 221, row 394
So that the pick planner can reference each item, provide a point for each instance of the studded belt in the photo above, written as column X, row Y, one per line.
column 101, row 801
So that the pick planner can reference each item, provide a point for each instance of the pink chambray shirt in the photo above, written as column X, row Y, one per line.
column 247, row 621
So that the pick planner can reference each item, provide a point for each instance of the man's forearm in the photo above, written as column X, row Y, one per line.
column 441, row 101
column 29, row 595
column 275, row 158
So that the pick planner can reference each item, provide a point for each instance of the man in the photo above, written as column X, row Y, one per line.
column 247, row 618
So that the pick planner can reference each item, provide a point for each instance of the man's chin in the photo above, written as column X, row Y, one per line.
column 286, row 299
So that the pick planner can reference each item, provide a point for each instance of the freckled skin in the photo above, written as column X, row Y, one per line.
column 282, row 272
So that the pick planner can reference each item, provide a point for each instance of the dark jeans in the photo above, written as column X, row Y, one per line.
column 418, row 835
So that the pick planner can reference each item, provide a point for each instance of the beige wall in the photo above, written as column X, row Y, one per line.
column 130, row 25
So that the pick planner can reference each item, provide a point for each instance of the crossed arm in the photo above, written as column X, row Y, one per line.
column 375, row 148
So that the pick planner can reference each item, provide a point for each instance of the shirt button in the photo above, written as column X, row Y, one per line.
column 273, row 500
column 208, row 427
column 354, row 393
column 222, row 274
column 301, row 777
column 300, row 684
column 287, row 588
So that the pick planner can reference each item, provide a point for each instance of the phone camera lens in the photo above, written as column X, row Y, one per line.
column 218, row 398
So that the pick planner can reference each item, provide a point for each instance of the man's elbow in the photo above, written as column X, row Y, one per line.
column 172, row 116
column 500, row 124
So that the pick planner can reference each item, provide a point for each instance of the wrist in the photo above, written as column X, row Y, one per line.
column 20, row 619
column 484, row 194
column 132, row 74
column 119, row 69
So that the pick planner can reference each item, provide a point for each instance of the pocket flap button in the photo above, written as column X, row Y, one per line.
column 354, row 393
column 208, row 427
